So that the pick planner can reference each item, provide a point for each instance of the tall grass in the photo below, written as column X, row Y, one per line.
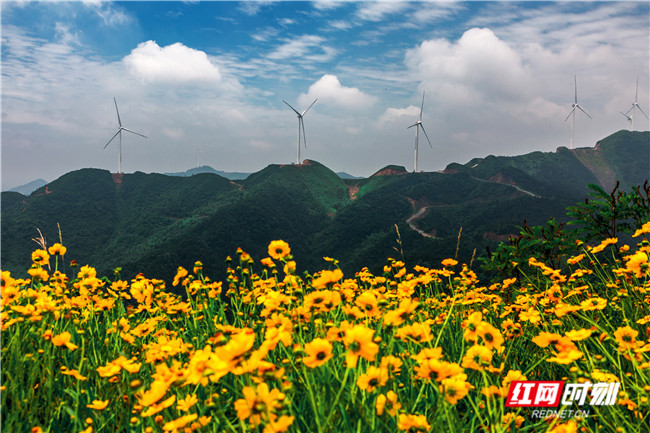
column 269, row 351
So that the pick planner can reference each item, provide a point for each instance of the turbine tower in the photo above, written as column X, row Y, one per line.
column 418, row 124
column 629, row 120
column 199, row 151
column 301, row 126
column 573, row 110
column 635, row 105
column 119, row 132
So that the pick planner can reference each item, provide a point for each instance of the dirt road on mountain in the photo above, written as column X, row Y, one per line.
column 419, row 213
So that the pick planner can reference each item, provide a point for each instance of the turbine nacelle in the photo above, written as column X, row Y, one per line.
column 635, row 105
column 301, row 125
column 575, row 105
column 119, row 132
column 419, row 125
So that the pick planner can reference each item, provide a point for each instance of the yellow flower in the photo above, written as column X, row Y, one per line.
column 372, row 378
column 279, row 249
column 63, row 339
column 417, row 332
column 644, row 229
column 40, row 257
column 638, row 264
column 568, row 427
column 626, row 337
column 603, row 245
column 359, row 342
column 455, row 388
column 509, row 418
column 387, row 402
column 180, row 273
column 471, row 325
column 367, row 302
column 98, row 405
column 593, row 304
column 327, row 277
column 257, row 404
column 318, row 351
column 490, row 335
column 186, row 403
column 545, row 338
column 566, row 357
column 289, row 268
column 75, row 374
column 579, row 335
column 179, row 423
column 449, row 262
column 57, row 250
column 158, row 407
column 531, row 315
column 477, row 357
column 413, row 423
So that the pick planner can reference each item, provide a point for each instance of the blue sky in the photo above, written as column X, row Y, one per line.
column 205, row 82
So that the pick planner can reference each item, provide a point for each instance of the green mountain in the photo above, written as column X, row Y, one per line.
column 152, row 223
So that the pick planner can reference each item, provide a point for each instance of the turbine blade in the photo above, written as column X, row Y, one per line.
column 136, row 133
column 425, row 134
column 422, row 106
column 409, row 127
column 305, row 112
column 626, row 116
column 304, row 137
column 575, row 87
column 631, row 109
column 296, row 111
column 646, row 116
column 584, row 111
column 109, row 141
column 570, row 113
column 118, row 113
column 636, row 94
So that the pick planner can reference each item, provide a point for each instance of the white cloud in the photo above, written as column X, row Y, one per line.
column 479, row 60
column 173, row 63
column 405, row 115
column 327, row 4
column 377, row 11
column 329, row 89
column 301, row 46
column 105, row 10
column 174, row 133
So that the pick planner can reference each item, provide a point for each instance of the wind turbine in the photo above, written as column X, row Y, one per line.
column 635, row 105
column 199, row 151
column 629, row 120
column 573, row 110
column 418, row 124
column 119, row 132
column 301, row 126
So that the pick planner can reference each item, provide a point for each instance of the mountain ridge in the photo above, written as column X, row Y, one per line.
column 153, row 223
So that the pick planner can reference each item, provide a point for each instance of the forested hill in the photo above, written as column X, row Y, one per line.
column 152, row 223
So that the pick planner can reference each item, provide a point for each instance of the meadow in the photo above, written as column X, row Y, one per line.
column 267, row 350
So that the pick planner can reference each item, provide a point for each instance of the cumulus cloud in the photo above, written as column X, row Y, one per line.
column 398, row 114
column 329, row 89
column 479, row 62
column 173, row 63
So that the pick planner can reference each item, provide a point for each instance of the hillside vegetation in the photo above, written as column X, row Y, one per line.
column 151, row 223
